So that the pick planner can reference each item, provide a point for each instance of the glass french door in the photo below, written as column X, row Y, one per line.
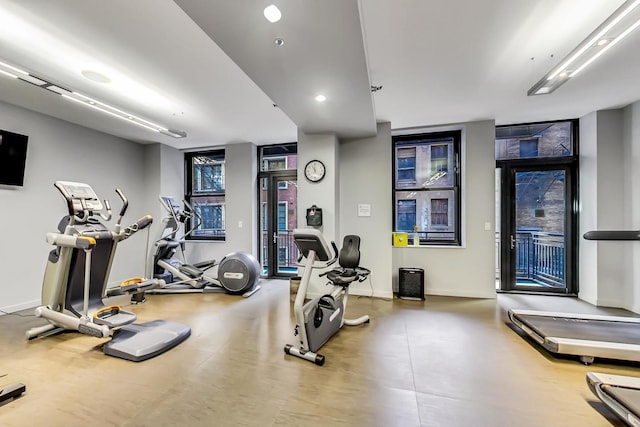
column 536, row 237
column 278, row 219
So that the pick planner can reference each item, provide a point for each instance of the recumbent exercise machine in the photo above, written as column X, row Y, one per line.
column 238, row 273
column 75, row 282
column 319, row 319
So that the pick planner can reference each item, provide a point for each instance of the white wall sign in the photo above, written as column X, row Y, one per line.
column 364, row 210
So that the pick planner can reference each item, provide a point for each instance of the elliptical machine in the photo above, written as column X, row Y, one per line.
column 75, row 282
column 238, row 272
column 319, row 319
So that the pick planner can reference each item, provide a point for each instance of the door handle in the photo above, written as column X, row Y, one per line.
column 275, row 237
column 513, row 242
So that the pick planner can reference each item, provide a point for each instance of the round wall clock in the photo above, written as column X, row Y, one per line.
column 314, row 171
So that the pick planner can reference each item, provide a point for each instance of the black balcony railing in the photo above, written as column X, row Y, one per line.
column 540, row 258
column 287, row 250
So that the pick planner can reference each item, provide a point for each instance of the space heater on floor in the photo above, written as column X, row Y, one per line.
column 411, row 284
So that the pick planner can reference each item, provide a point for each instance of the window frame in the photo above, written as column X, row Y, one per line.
column 431, row 139
column 190, row 194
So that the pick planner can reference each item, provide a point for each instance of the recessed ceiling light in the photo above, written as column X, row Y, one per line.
column 321, row 98
column 95, row 76
column 272, row 13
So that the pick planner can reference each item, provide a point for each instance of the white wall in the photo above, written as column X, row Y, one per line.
column 59, row 150
column 588, row 196
column 467, row 271
column 165, row 176
column 324, row 194
column 601, row 155
column 610, row 200
column 365, row 178
column 631, row 137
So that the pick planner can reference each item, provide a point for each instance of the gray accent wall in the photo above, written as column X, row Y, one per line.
column 60, row 150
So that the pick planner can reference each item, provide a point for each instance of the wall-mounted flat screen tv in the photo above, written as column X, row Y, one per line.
column 13, row 158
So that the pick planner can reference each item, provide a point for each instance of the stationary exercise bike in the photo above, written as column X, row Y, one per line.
column 238, row 272
column 319, row 319
column 75, row 283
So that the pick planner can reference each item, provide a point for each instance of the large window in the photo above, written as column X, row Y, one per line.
column 427, row 186
column 206, row 194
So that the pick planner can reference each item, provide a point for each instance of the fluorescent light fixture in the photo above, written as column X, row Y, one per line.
column 8, row 74
column 57, row 89
column 272, row 13
column 11, row 71
column 321, row 98
column 620, row 24
column 33, row 80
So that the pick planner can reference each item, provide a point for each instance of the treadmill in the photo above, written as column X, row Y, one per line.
column 620, row 393
column 586, row 336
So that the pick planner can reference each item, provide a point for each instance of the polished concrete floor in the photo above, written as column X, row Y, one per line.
column 443, row 362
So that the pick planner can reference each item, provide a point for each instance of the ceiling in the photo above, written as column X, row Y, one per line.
column 211, row 68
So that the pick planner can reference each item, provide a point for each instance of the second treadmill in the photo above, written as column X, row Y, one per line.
column 584, row 335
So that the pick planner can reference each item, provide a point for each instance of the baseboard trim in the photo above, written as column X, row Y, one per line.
column 20, row 307
column 463, row 294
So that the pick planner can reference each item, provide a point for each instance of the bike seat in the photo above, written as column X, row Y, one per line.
column 342, row 277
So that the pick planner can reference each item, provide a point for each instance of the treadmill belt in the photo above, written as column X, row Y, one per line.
column 627, row 397
column 583, row 329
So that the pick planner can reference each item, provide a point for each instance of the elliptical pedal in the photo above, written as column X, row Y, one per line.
column 12, row 392
column 84, row 328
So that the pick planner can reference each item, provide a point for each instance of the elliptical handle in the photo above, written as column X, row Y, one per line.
column 125, row 202
column 107, row 206
column 190, row 213
column 188, row 206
